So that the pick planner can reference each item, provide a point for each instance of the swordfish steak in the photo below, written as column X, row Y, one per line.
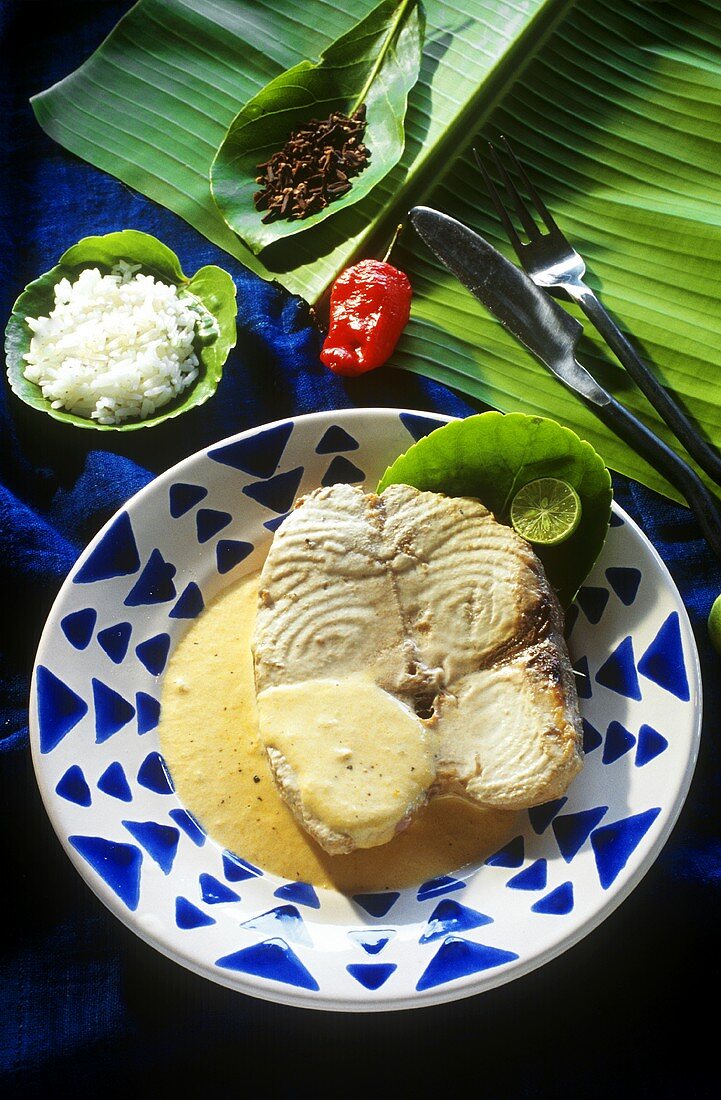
column 408, row 645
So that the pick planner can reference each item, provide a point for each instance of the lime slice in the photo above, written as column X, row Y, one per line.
column 714, row 624
column 546, row 511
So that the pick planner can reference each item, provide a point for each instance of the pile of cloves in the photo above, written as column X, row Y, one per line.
column 314, row 167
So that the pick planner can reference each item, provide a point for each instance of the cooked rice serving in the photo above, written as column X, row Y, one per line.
column 114, row 346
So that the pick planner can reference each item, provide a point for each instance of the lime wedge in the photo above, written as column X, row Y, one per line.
column 714, row 624
column 546, row 511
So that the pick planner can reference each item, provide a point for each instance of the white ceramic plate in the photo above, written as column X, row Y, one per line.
column 94, row 715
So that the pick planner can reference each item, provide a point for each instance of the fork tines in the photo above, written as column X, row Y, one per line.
column 524, row 216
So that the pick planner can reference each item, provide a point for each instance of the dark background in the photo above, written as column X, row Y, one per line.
column 630, row 1011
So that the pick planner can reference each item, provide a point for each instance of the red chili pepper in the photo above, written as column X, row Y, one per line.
column 369, row 307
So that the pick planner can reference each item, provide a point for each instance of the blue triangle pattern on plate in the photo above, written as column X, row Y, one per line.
column 583, row 678
column 73, row 786
column 511, row 855
column 570, row 620
column 272, row 959
column 300, row 892
column 159, row 841
column 619, row 671
column 558, row 903
column 343, row 471
column 148, row 711
column 377, row 905
column 573, row 830
column 154, row 775
column 208, row 521
column 189, row 825
column 624, row 581
column 593, row 602
column 542, row 816
column 153, row 653
column 458, row 958
column 112, row 711
column 444, row 884
column 283, row 919
column 618, row 742
column 615, row 520
column 274, row 524
column 663, row 661
column 189, row 916
column 336, row 439
column 59, row 708
column 236, row 869
column 78, row 627
column 533, row 877
column 190, row 603
column 258, row 455
column 372, row 940
column 117, row 864
column 155, row 583
column 614, row 844
column 371, row 975
column 116, row 555
column 591, row 736
column 114, row 782
column 114, row 640
column 418, row 426
column 651, row 744
column 277, row 493
column 215, row 892
column 450, row 916
column 183, row 497
column 231, row 552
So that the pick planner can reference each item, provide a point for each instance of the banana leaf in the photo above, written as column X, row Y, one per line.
column 154, row 102
column 615, row 116
column 616, row 121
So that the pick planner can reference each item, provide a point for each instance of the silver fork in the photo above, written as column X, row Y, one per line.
column 553, row 263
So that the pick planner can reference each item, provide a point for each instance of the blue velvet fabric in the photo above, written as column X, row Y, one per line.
column 83, row 1002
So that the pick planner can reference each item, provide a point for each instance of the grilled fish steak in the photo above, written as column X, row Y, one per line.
column 408, row 645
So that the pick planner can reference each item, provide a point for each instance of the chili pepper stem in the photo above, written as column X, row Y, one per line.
column 394, row 238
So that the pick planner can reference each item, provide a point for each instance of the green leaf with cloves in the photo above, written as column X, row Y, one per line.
column 490, row 456
column 377, row 63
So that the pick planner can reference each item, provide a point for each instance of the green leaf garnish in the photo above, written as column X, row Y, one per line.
column 376, row 63
column 211, row 289
column 491, row 456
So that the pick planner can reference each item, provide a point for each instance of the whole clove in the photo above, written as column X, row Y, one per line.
column 314, row 167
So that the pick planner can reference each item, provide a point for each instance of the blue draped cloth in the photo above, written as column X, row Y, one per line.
column 82, row 1000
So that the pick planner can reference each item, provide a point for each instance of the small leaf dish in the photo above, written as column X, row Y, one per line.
column 376, row 63
column 215, row 299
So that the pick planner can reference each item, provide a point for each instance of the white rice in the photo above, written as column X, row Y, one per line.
column 114, row 346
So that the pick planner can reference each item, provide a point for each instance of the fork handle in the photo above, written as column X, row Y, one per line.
column 702, row 502
column 707, row 458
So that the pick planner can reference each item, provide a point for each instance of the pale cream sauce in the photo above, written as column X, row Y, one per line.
column 361, row 759
column 209, row 739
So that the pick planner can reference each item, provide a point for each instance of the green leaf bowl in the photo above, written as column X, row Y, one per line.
column 492, row 455
column 376, row 63
column 212, row 287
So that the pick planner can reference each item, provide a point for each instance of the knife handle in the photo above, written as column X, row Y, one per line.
column 667, row 408
column 702, row 502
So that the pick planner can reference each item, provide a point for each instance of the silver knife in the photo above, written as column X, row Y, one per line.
column 550, row 333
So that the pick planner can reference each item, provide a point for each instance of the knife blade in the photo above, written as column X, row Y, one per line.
column 529, row 313
column 551, row 334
